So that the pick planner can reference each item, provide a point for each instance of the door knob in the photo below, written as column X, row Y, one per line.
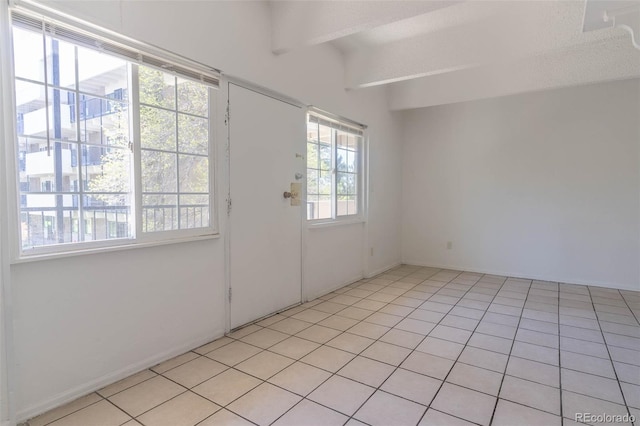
column 286, row 194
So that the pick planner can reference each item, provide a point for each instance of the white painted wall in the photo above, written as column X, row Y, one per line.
column 81, row 322
column 327, row 265
column 543, row 185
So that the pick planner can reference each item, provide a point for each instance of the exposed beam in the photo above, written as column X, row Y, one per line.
column 589, row 63
column 516, row 30
column 304, row 23
column 448, row 50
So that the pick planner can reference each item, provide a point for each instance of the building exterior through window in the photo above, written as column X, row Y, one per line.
column 77, row 117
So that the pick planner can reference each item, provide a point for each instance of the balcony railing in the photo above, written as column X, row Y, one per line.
column 39, row 225
column 97, row 107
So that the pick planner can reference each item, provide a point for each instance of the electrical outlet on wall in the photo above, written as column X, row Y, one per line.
column 449, row 245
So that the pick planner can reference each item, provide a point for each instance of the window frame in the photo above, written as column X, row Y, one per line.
column 153, row 236
column 18, row 254
column 362, row 172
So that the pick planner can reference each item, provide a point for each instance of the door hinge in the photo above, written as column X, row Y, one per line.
column 229, row 206
column 227, row 115
column 229, row 294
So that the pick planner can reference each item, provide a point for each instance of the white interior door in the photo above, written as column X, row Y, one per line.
column 265, row 272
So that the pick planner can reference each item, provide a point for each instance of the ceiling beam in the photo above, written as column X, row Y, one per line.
column 448, row 50
column 517, row 30
column 304, row 23
column 590, row 63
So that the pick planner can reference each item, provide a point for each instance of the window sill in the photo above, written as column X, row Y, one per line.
column 332, row 223
column 111, row 248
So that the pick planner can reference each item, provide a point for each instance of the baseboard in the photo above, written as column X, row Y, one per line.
column 108, row 379
column 347, row 282
column 541, row 277
column 383, row 269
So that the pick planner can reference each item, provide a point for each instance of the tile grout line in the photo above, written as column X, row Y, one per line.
column 27, row 422
column 378, row 339
column 624, row 399
column 215, row 375
column 444, row 380
column 130, row 416
column 513, row 342
column 398, row 366
column 333, row 374
column 628, row 307
column 378, row 388
column 560, row 360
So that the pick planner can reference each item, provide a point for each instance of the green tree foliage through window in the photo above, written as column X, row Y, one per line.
column 174, row 138
column 333, row 153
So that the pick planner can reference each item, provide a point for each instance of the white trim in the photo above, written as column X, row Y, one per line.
column 136, row 156
column 335, row 117
column 117, row 247
column 540, row 277
column 224, row 213
column 263, row 91
column 363, row 179
column 212, row 158
column 257, row 320
column 383, row 269
column 107, row 379
column 12, row 206
column 7, row 230
column 311, row 225
column 302, row 156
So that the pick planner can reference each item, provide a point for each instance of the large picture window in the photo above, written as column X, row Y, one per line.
column 107, row 148
column 334, row 168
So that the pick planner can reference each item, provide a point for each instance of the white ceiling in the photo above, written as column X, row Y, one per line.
column 437, row 52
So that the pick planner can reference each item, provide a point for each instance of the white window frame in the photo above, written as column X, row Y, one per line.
column 9, row 131
column 362, row 165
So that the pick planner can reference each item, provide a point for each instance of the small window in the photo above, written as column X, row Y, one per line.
column 334, row 168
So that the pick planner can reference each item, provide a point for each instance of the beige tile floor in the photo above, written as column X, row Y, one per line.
column 413, row 346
